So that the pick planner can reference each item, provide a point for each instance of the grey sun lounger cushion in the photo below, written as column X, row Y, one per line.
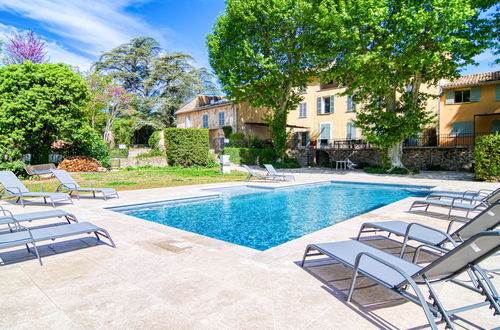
column 466, row 195
column 14, row 187
column 50, row 233
column 398, row 274
column 271, row 171
column 68, row 183
column 22, row 217
column 252, row 174
column 488, row 219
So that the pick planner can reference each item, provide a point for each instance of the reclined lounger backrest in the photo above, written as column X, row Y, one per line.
column 8, row 179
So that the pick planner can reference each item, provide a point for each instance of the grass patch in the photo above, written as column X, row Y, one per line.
column 143, row 178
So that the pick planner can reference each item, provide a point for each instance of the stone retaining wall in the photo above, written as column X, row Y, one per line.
column 422, row 158
column 138, row 162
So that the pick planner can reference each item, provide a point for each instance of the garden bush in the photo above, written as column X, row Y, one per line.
column 187, row 146
column 246, row 156
column 154, row 140
column 487, row 157
column 16, row 166
column 395, row 170
column 123, row 130
column 227, row 131
column 287, row 162
column 267, row 156
column 237, row 140
column 119, row 153
column 255, row 141
column 152, row 153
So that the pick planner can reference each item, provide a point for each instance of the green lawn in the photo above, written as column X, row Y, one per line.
column 142, row 178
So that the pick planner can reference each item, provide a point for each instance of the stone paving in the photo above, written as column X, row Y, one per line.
column 159, row 277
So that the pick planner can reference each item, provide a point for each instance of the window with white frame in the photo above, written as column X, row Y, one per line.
column 205, row 121
column 351, row 104
column 325, row 104
column 221, row 119
column 188, row 122
column 304, row 139
column 303, row 110
column 325, row 133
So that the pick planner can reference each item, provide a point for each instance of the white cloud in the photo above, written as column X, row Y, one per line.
column 55, row 52
column 91, row 26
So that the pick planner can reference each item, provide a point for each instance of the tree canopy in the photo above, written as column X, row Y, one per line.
column 42, row 103
column 160, row 82
column 25, row 47
column 386, row 51
column 262, row 51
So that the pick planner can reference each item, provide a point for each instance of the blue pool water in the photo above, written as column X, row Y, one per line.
column 263, row 218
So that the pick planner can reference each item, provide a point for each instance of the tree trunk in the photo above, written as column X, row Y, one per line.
column 395, row 155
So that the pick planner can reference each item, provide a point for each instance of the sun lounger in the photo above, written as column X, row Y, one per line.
column 398, row 274
column 67, row 183
column 252, row 174
column 489, row 219
column 271, row 171
column 475, row 195
column 351, row 165
column 24, row 236
column 459, row 203
column 12, row 186
column 7, row 216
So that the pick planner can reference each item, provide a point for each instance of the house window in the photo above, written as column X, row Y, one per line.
column 325, row 104
column 351, row 131
column 188, row 122
column 462, row 128
column 302, row 110
column 351, row 105
column 221, row 119
column 462, row 96
column 304, row 139
column 205, row 121
column 325, row 134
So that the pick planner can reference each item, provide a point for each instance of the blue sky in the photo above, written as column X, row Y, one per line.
column 78, row 31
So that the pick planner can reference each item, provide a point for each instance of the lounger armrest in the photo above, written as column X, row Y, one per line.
column 452, row 222
column 422, row 246
column 69, row 186
column 14, row 188
column 362, row 255
column 9, row 214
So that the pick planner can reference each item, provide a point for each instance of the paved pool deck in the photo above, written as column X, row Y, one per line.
column 159, row 277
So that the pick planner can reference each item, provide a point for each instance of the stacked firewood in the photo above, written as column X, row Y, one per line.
column 80, row 164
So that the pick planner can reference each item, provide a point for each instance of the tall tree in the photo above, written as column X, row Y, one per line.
column 161, row 82
column 25, row 47
column 385, row 51
column 262, row 51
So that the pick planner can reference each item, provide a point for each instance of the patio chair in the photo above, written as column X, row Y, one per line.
column 12, row 186
column 476, row 195
column 252, row 174
column 67, row 183
column 8, row 216
column 351, row 165
column 459, row 203
column 398, row 274
column 24, row 235
column 272, row 172
column 488, row 219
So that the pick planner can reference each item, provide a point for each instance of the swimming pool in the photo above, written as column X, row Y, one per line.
column 263, row 218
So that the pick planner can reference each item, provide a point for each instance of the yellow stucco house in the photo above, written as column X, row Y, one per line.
column 323, row 118
column 469, row 106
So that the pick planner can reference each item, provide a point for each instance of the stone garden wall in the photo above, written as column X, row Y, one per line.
column 422, row 158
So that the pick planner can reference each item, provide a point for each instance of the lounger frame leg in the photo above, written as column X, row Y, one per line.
column 437, row 303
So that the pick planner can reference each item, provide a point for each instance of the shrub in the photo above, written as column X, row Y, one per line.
column 80, row 164
column 287, row 162
column 255, row 141
column 227, row 131
column 154, row 140
column 487, row 157
column 211, row 162
column 395, row 170
column 17, row 167
column 119, row 153
column 88, row 143
column 187, row 146
column 267, row 156
column 237, row 140
column 123, row 130
column 247, row 156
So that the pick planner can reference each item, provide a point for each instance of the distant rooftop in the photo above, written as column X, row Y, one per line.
column 473, row 79
column 201, row 102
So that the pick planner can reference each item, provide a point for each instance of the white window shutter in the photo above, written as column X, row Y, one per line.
column 450, row 96
column 332, row 108
column 319, row 102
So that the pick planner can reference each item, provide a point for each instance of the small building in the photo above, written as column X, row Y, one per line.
column 469, row 107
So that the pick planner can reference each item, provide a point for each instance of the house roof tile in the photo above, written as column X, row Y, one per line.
column 473, row 79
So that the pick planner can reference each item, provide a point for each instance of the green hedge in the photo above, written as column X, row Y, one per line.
column 247, row 156
column 16, row 166
column 487, row 157
column 187, row 146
